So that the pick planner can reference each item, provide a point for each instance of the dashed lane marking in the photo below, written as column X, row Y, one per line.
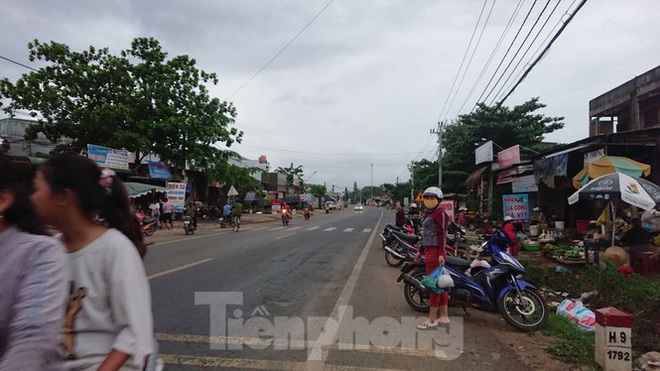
column 179, row 268
column 286, row 235
column 276, row 228
column 349, row 229
column 313, row 228
column 366, row 230
column 294, row 228
column 330, row 229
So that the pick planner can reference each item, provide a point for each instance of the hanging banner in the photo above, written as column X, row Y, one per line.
column 516, row 206
column 108, row 157
column 524, row 184
column 159, row 170
column 448, row 205
column 176, row 195
column 509, row 156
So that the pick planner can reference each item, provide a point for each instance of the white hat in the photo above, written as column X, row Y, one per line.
column 508, row 218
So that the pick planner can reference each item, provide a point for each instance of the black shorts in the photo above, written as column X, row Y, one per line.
column 166, row 218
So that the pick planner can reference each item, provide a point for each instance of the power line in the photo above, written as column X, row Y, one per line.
column 532, row 65
column 467, row 50
column 331, row 153
column 18, row 63
column 460, row 83
column 518, row 52
column 492, row 54
column 505, row 54
column 282, row 50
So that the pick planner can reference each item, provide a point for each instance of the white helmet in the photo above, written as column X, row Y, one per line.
column 413, row 205
column 433, row 191
column 508, row 218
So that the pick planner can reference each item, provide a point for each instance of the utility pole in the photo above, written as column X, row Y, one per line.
column 412, row 181
column 438, row 131
column 372, row 182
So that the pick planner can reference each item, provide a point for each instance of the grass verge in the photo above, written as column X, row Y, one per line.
column 572, row 346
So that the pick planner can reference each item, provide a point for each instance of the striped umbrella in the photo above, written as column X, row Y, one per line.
column 610, row 164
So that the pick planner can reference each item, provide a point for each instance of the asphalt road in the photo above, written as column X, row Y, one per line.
column 316, row 294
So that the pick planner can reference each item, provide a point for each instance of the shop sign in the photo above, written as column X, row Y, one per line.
column 159, row 170
column 509, row 156
column 176, row 195
column 516, row 206
column 449, row 206
column 108, row 157
column 524, row 184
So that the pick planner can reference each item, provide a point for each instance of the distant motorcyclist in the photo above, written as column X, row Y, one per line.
column 226, row 213
column 191, row 211
column 286, row 210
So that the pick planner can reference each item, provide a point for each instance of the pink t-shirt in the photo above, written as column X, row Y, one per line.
column 168, row 207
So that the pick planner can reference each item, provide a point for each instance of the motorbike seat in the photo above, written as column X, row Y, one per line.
column 406, row 237
column 393, row 227
column 457, row 262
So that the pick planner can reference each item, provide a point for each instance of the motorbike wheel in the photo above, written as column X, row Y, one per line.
column 464, row 254
column 392, row 260
column 417, row 299
column 150, row 231
column 526, row 315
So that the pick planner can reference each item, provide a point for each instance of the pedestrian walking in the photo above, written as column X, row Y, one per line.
column 166, row 218
column 108, row 321
column 33, row 267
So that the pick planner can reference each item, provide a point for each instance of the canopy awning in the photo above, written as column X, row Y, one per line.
column 474, row 177
column 611, row 164
column 140, row 189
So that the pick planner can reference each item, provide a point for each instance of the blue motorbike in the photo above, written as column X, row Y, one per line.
column 498, row 288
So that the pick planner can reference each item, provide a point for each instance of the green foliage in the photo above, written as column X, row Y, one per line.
column 504, row 126
column 290, row 173
column 138, row 100
column 398, row 191
column 318, row 190
column 573, row 345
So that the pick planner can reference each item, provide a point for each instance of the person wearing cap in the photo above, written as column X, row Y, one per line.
column 434, row 238
column 413, row 215
column 510, row 230
column 462, row 216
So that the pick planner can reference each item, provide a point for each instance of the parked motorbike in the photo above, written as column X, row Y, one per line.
column 189, row 225
column 148, row 225
column 497, row 288
column 405, row 247
column 286, row 217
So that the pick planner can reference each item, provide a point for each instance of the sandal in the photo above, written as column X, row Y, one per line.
column 427, row 325
column 443, row 323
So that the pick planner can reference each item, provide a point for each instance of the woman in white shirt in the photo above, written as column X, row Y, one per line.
column 108, row 323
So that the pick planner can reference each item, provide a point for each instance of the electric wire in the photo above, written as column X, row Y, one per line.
column 552, row 31
column 281, row 50
column 505, row 55
column 492, row 54
column 18, row 63
column 460, row 83
column 531, row 66
column 529, row 33
column 460, row 67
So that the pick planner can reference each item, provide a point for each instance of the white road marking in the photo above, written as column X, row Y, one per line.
column 286, row 235
column 294, row 228
column 330, row 229
column 179, row 268
column 260, row 228
column 313, row 228
column 349, row 229
column 276, row 228
column 317, row 354
column 366, row 230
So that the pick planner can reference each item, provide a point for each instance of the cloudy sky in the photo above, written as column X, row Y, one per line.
column 364, row 81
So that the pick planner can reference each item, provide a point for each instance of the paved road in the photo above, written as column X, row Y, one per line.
column 325, row 273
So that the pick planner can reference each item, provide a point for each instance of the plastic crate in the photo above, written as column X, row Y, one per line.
column 646, row 264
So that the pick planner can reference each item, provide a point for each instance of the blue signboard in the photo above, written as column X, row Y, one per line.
column 516, row 206
column 159, row 170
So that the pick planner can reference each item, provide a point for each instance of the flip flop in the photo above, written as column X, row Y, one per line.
column 427, row 325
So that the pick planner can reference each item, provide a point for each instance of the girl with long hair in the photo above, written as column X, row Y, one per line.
column 33, row 273
column 108, row 324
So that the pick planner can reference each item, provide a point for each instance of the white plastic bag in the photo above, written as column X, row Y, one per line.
column 445, row 281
